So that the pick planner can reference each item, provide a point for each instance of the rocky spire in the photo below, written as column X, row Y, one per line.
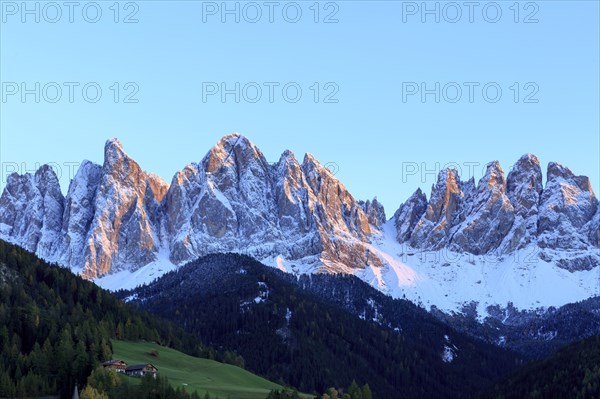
column 567, row 204
column 491, row 215
column 375, row 212
column 124, row 230
column 31, row 210
column 524, row 188
column 408, row 215
column 444, row 207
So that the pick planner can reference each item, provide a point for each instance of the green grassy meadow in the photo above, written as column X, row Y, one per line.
column 195, row 374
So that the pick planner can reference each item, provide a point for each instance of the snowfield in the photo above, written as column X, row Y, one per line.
column 450, row 280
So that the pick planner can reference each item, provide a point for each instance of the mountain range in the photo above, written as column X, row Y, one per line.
column 503, row 240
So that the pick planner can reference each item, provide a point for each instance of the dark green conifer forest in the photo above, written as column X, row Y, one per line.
column 56, row 327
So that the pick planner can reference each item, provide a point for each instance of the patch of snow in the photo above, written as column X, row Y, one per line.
column 264, row 292
column 130, row 298
column 127, row 279
column 448, row 354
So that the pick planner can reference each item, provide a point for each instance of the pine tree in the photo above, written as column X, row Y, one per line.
column 354, row 391
column 366, row 392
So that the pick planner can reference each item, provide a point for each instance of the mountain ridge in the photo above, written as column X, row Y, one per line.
column 117, row 218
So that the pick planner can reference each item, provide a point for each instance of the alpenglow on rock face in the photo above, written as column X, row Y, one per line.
column 124, row 230
column 500, row 216
column 296, row 215
column 109, row 219
column 374, row 211
column 117, row 217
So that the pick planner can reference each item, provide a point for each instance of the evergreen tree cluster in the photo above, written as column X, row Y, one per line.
column 353, row 392
column 107, row 384
column 573, row 372
column 55, row 327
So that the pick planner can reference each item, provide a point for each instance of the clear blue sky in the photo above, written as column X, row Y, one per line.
column 372, row 134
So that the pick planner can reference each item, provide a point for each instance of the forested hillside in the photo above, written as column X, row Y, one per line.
column 56, row 327
column 573, row 372
column 320, row 331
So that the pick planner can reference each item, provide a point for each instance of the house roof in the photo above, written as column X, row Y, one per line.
column 111, row 362
column 136, row 367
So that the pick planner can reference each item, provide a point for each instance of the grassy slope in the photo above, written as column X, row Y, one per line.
column 201, row 375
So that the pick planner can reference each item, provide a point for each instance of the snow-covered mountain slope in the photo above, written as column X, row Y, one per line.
column 451, row 280
column 498, row 241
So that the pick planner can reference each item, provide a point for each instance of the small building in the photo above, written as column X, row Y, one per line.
column 117, row 365
column 141, row 370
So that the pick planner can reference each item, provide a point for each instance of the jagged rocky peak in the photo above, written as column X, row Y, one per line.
column 524, row 187
column 47, row 181
column 113, row 151
column 493, row 179
column 502, row 215
column 294, row 198
column 119, row 165
column 233, row 150
column 185, row 186
column 289, row 171
column 563, row 175
column 443, row 209
column 31, row 210
column 490, row 216
column 567, row 204
column 408, row 215
column 336, row 208
column 375, row 212
column 234, row 200
column 223, row 203
column 445, row 196
column 125, row 228
column 239, row 170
